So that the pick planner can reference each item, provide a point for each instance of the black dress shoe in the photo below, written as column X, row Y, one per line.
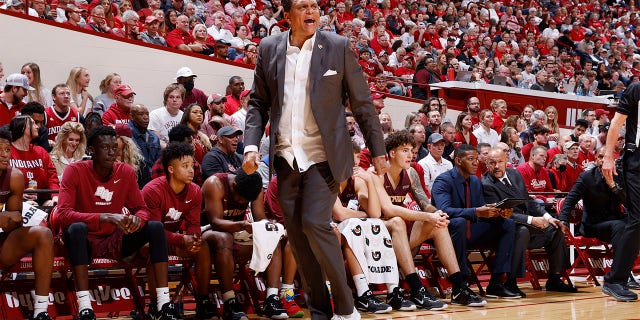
column 499, row 291
column 558, row 286
column 633, row 284
column 619, row 292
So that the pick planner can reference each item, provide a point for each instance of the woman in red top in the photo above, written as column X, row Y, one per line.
column 193, row 117
column 464, row 128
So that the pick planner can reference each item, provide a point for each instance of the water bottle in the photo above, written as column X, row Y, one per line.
column 579, row 91
column 450, row 73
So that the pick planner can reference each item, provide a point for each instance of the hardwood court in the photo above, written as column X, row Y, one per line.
column 589, row 303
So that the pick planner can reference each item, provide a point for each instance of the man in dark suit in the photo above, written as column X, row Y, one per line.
column 302, row 78
column 458, row 192
column 535, row 228
column 603, row 217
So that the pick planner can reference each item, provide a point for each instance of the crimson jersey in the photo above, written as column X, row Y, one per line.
column 115, row 115
column 83, row 197
column 348, row 193
column 233, row 210
column 5, row 185
column 36, row 166
column 55, row 122
column 173, row 209
column 535, row 181
column 398, row 194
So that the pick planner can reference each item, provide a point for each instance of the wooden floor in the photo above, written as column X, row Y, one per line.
column 589, row 303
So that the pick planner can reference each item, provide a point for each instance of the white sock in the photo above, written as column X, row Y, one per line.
column 271, row 291
column 228, row 295
column 40, row 304
column 361, row 283
column 287, row 289
column 84, row 300
column 391, row 286
column 162, row 294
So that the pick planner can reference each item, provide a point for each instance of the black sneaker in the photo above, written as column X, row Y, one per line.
column 423, row 299
column 233, row 311
column 498, row 291
column 41, row 316
column 513, row 287
column 633, row 284
column 273, row 308
column 619, row 292
column 464, row 296
column 205, row 309
column 367, row 302
column 86, row 314
column 168, row 312
column 397, row 301
column 152, row 312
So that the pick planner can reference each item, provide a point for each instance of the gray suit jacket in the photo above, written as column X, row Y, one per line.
column 328, row 94
column 496, row 191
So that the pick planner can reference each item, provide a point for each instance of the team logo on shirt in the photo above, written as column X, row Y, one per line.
column 538, row 184
column 104, row 194
column 388, row 243
column 375, row 228
column 357, row 230
column 174, row 214
column 376, row 255
column 270, row 226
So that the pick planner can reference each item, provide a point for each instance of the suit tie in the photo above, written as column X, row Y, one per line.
column 506, row 182
column 467, row 200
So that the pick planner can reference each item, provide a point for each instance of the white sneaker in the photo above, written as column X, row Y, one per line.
column 354, row 316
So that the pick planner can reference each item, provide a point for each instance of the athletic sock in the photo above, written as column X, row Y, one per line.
column 84, row 300
column 287, row 290
column 361, row 283
column 414, row 282
column 162, row 294
column 456, row 280
column 271, row 291
column 391, row 286
column 40, row 304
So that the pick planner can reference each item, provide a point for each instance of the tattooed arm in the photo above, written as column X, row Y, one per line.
column 418, row 193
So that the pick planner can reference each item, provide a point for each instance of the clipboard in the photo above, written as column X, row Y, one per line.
column 511, row 202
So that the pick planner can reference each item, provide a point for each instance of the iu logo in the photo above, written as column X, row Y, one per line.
column 270, row 226
column 375, row 228
column 357, row 230
column 376, row 255
column 388, row 243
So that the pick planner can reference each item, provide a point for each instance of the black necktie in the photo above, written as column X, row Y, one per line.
column 506, row 182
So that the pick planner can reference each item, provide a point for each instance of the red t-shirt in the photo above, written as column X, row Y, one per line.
column 55, row 122
column 176, row 37
column 497, row 123
column 585, row 158
column 115, row 115
column 232, row 105
column 35, row 165
column 6, row 113
column 173, row 209
column 83, row 196
column 535, row 181
column 573, row 173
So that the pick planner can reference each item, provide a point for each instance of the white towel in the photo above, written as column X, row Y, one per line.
column 31, row 216
column 266, row 236
column 372, row 245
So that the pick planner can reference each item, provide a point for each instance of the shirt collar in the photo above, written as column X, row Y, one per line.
column 307, row 45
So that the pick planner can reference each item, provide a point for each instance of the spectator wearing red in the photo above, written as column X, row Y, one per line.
column 236, row 86
column 60, row 112
column 15, row 89
column 186, row 78
column 558, row 173
column 574, row 169
column 540, row 138
column 130, row 28
column 534, row 174
column 97, row 21
column 500, row 109
column 586, row 158
column 180, row 37
column 370, row 66
column 120, row 111
column 406, row 70
column 72, row 13
column 558, row 149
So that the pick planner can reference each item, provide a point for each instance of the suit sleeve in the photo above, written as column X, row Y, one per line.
column 572, row 198
column 361, row 104
column 442, row 193
column 492, row 195
column 260, row 99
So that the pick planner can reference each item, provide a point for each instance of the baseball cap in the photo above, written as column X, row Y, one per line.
column 19, row 80
column 382, row 53
column 567, row 145
column 123, row 130
column 223, row 42
column 150, row 19
column 244, row 93
column 124, row 90
column 228, row 131
column 217, row 98
column 14, row 3
column 249, row 7
column 184, row 72
column 376, row 95
column 600, row 112
column 435, row 137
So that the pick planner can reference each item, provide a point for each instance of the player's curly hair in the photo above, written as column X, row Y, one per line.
column 175, row 150
column 398, row 138
column 248, row 186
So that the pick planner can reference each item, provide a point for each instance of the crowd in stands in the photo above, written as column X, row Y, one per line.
column 566, row 46
column 192, row 145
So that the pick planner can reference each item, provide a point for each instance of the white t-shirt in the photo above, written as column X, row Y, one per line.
column 490, row 137
column 432, row 169
column 160, row 121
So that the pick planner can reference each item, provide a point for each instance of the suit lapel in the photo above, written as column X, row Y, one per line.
column 281, row 62
column 459, row 185
column 317, row 61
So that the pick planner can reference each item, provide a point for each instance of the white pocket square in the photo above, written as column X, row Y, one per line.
column 330, row 73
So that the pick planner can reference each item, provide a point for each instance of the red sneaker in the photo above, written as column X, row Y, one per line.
column 289, row 304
